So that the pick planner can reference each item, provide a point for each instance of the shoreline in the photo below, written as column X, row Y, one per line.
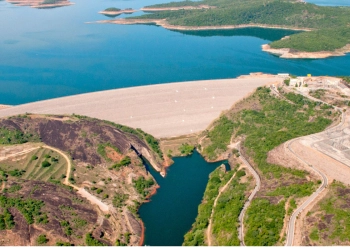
column 143, row 229
column 289, row 54
column 115, row 13
column 164, row 23
column 199, row 7
column 286, row 53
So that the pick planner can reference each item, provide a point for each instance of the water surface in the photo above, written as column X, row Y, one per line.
column 47, row 53
column 174, row 207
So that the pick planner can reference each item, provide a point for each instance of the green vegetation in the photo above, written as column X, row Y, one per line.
column 29, row 208
column 318, row 40
column 276, row 121
column 112, row 9
column 219, row 136
column 34, row 157
column 91, row 241
column 6, row 220
column 42, row 239
column 50, row 2
column 126, row 161
column 63, row 244
column 195, row 237
column 14, row 188
column 142, row 185
column 297, row 190
column 330, row 218
column 314, row 234
column 319, row 93
column 186, row 149
column 226, row 212
column 45, row 164
column 329, row 25
column 101, row 149
column 265, row 222
column 43, row 168
column 10, row 136
column 119, row 200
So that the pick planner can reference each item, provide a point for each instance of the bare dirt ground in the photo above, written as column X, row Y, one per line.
column 163, row 110
column 286, row 52
column 300, row 224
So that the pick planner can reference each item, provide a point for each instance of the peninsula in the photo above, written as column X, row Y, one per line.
column 116, row 11
column 324, row 30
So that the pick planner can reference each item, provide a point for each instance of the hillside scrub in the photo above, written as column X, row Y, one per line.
column 273, row 123
column 227, row 211
column 218, row 178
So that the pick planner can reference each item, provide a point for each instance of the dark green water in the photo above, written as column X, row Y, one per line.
column 174, row 207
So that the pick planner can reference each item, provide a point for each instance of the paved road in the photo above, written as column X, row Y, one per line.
column 250, row 198
column 324, row 184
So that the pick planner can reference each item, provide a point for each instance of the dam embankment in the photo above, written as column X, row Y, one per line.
column 163, row 110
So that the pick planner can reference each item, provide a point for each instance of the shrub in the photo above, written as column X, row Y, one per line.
column 45, row 164
column 42, row 239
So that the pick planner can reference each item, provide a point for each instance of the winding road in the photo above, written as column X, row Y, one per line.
column 250, row 198
column 324, row 184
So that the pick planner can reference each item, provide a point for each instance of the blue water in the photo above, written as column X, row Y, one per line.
column 174, row 207
column 48, row 53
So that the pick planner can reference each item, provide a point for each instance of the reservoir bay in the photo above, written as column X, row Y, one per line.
column 174, row 207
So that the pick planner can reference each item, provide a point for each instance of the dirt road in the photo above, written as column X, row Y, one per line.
column 93, row 199
column 212, row 211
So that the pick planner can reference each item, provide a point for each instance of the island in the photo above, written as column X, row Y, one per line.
column 41, row 4
column 112, row 11
column 324, row 30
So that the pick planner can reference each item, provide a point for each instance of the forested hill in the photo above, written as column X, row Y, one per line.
column 329, row 25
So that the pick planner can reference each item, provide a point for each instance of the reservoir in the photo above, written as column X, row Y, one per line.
column 47, row 53
column 174, row 207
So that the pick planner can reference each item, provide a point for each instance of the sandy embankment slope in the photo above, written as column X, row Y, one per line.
column 163, row 110
column 288, row 53
column 164, row 23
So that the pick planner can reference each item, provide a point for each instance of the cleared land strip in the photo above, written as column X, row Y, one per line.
column 163, row 110
column 93, row 199
column 212, row 211
column 250, row 198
